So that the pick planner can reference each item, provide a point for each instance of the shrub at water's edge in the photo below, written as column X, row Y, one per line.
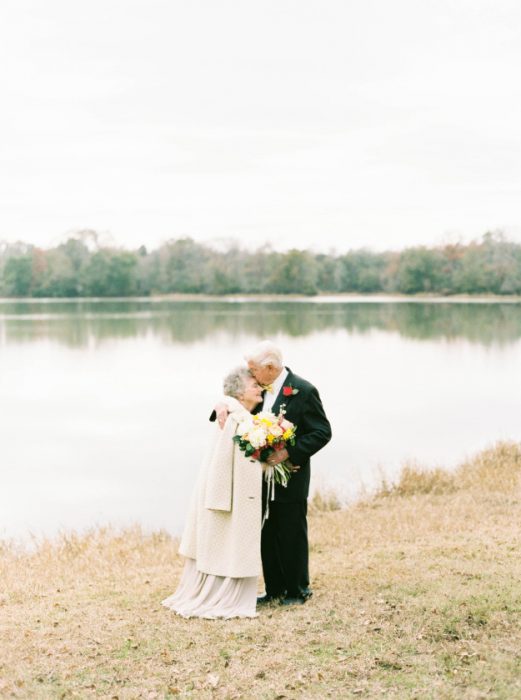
column 497, row 468
column 324, row 500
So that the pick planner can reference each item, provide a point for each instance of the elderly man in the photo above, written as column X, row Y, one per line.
column 284, row 541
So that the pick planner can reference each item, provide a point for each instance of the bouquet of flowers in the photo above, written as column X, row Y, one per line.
column 263, row 434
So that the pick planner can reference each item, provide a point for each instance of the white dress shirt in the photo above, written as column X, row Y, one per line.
column 270, row 396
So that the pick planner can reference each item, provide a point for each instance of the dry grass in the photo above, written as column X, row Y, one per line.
column 415, row 480
column 416, row 596
column 495, row 469
column 324, row 500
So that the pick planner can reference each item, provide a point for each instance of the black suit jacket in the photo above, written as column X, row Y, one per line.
column 305, row 410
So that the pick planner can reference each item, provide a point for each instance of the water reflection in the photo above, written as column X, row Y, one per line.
column 80, row 323
column 95, row 412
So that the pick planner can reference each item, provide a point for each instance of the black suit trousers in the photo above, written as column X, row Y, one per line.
column 284, row 549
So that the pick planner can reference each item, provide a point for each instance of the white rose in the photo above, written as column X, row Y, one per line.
column 245, row 426
column 257, row 437
column 276, row 430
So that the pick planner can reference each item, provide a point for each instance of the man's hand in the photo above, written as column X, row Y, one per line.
column 278, row 457
column 221, row 411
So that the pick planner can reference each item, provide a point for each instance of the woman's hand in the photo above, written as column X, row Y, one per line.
column 221, row 411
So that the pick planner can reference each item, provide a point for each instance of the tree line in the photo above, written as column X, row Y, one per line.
column 80, row 267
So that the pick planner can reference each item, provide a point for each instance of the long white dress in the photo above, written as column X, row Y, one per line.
column 221, row 540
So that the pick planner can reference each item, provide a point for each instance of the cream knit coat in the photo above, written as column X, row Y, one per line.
column 223, row 529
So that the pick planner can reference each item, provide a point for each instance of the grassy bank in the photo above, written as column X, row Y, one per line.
column 417, row 595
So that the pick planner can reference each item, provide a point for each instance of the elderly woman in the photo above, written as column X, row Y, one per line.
column 221, row 541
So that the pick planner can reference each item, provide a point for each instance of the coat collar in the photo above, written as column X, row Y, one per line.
column 236, row 410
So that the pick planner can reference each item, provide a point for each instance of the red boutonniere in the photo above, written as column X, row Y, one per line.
column 289, row 390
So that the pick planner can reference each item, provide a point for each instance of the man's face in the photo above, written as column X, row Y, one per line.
column 264, row 374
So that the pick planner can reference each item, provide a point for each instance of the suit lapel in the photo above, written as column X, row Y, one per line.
column 281, row 399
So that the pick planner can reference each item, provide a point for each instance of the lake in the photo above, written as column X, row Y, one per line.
column 104, row 404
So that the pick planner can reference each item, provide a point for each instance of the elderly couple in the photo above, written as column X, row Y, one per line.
column 224, row 541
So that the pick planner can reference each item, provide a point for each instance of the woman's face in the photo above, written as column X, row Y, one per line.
column 252, row 392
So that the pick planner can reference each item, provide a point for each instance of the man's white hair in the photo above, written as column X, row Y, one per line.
column 265, row 353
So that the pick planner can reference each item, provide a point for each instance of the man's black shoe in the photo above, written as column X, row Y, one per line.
column 298, row 599
column 293, row 601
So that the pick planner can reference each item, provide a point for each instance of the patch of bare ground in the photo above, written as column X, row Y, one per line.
column 417, row 594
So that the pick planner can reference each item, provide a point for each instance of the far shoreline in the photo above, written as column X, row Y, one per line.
column 322, row 298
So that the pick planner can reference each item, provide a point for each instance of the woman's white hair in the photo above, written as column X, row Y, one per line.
column 234, row 383
column 265, row 353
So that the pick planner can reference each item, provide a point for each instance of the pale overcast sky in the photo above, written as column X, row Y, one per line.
column 323, row 124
